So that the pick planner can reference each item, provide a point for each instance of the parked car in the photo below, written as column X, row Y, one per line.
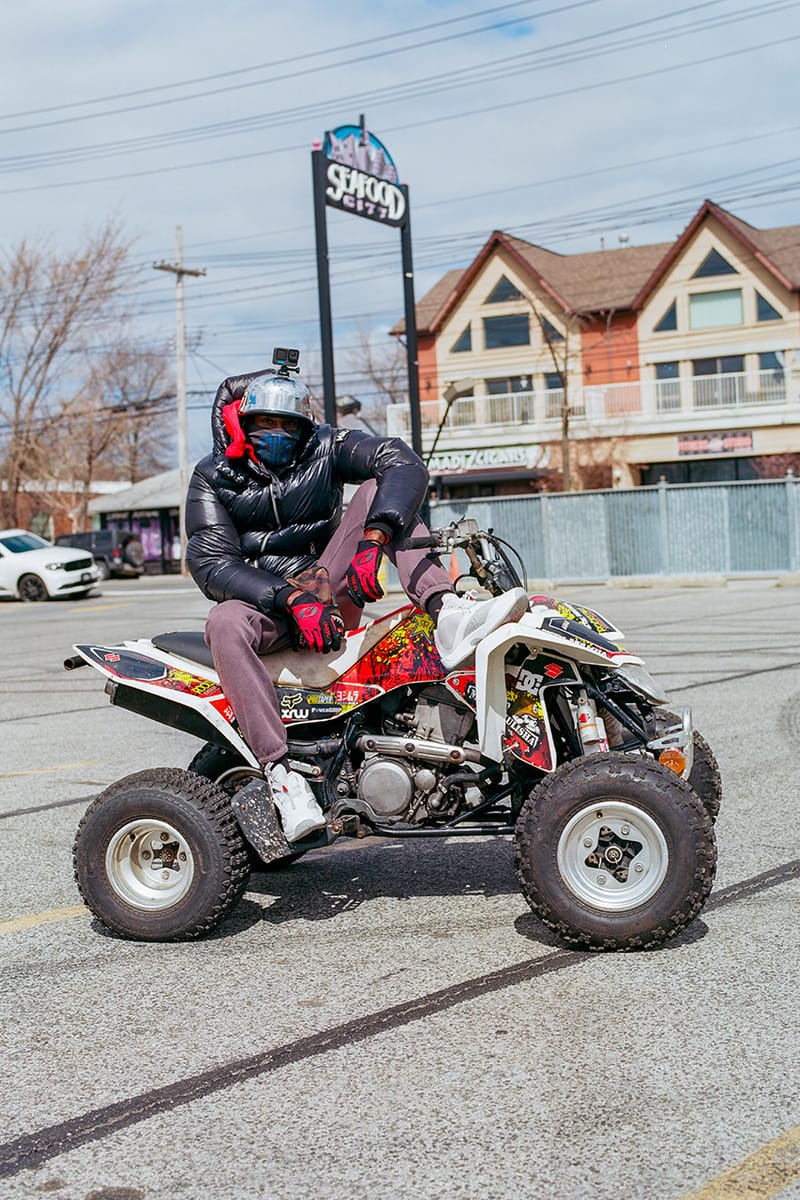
column 34, row 569
column 117, row 552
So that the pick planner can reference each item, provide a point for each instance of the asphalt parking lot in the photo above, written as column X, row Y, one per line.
column 389, row 1020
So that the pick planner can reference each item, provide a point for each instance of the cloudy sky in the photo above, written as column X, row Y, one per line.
column 561, row 121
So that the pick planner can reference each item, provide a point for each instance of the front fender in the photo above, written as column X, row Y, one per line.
column 490, row 672
column 490, row 685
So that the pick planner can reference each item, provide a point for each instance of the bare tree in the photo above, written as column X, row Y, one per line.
column 51, row 308
column 116, row 424
column 561, row 347
column 139, row 387
column 380, row 367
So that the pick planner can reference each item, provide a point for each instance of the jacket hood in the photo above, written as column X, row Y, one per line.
column 227, row 432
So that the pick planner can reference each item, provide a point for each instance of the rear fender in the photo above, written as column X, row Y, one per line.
column 169, row 690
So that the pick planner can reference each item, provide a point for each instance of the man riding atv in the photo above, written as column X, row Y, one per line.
column 268, row 540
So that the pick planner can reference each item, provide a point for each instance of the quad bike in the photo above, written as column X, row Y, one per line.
column 551, row 733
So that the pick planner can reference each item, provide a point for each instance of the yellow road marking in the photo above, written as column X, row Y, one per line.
column 101, row 607
column 42, row 918
column 90, row 762
column 764, row 1173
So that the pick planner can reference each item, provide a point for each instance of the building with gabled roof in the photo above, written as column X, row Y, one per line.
column 677, row 359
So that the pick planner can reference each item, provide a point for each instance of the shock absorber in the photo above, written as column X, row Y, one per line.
column 591, row 728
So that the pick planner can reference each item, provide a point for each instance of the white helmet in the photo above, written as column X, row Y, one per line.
column 279, row 396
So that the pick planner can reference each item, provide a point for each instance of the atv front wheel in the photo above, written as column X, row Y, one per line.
column 704, row 776
column 615, row 852
column 159, row 857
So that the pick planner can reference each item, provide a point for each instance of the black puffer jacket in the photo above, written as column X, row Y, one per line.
column 249, row 528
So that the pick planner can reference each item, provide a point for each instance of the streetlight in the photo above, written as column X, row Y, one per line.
column 452, row 392
column 348, row 406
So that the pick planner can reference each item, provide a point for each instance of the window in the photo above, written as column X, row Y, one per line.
column 668, row 388
column 462, row 342
column 506, row 384
column 714, row 264
column 726, row 365
column 711, row 310
column 765, row 311
column 552, row 381
column 669, row 321
column 771, row 380
column 549, row 331
column 715, row 392
column 19, row 543
column 771, row 360
column 501, row 332
column 503, row 290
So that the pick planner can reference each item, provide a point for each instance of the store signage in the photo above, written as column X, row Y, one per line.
column 735, row 442
column 361, row 176
column 454, row 461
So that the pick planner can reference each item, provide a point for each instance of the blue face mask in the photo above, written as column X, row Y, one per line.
column 274, row 447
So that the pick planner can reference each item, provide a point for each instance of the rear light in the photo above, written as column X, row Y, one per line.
column 674, row 759
column 116, row 553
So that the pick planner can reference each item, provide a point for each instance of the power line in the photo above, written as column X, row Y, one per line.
column 295, row 73
column 423, row 87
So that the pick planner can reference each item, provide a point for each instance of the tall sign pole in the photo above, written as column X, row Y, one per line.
column 354, row 172
column 319, row 167
column 178, row 270
column 411, row 329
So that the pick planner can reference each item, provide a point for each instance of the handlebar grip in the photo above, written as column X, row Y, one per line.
column 430, row 542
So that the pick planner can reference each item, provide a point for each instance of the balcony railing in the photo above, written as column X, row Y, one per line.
column 642, row 399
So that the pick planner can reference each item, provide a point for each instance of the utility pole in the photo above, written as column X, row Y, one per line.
column 178, row 270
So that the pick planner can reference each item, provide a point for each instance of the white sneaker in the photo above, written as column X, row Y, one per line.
column 299, row 812
column 465, row 620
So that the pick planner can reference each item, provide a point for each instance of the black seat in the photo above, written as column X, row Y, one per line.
column 189, row 645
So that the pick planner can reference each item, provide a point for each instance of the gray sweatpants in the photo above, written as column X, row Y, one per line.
column 238, row 633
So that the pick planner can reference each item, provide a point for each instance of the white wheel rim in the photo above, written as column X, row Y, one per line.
column 612, row 856
column 149, row 864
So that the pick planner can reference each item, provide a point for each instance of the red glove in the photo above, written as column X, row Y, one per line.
column 317, row 627
column 361, row 579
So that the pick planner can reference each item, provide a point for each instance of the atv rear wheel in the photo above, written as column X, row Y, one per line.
column 212, row 762
column 615, row 852
column 704, row 776
column 159, row 857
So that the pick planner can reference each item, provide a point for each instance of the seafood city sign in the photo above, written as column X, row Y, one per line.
column 361, row 176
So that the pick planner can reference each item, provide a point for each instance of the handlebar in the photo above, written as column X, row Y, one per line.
column 423, row 543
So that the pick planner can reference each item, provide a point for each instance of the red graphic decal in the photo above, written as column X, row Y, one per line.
column 225, row 709
column 194, row 685
column 463, row 684
column 110, row 658
column 553, row 670
column 406, row 654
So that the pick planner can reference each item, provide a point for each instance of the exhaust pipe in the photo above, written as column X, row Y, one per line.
column 72, row 664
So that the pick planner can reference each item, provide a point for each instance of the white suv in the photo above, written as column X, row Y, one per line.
column 33, row 569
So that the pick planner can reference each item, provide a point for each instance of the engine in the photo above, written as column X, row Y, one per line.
column 419, row 767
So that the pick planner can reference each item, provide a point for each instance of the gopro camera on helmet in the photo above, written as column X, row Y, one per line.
column 286, row 360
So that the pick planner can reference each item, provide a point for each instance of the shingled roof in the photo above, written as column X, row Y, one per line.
column 607, row 280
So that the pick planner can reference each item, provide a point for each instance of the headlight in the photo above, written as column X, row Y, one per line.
column 640, row 681
column 55, row 567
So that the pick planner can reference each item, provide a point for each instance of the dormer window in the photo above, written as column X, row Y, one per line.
column 549, row 331
column 714, row 264
column 766, row 311
column 503, row 290
column 463, row 341
column 669, row 321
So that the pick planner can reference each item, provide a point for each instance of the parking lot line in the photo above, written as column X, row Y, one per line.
column 41, row 918
column 90, row 762
column 763, row 1174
